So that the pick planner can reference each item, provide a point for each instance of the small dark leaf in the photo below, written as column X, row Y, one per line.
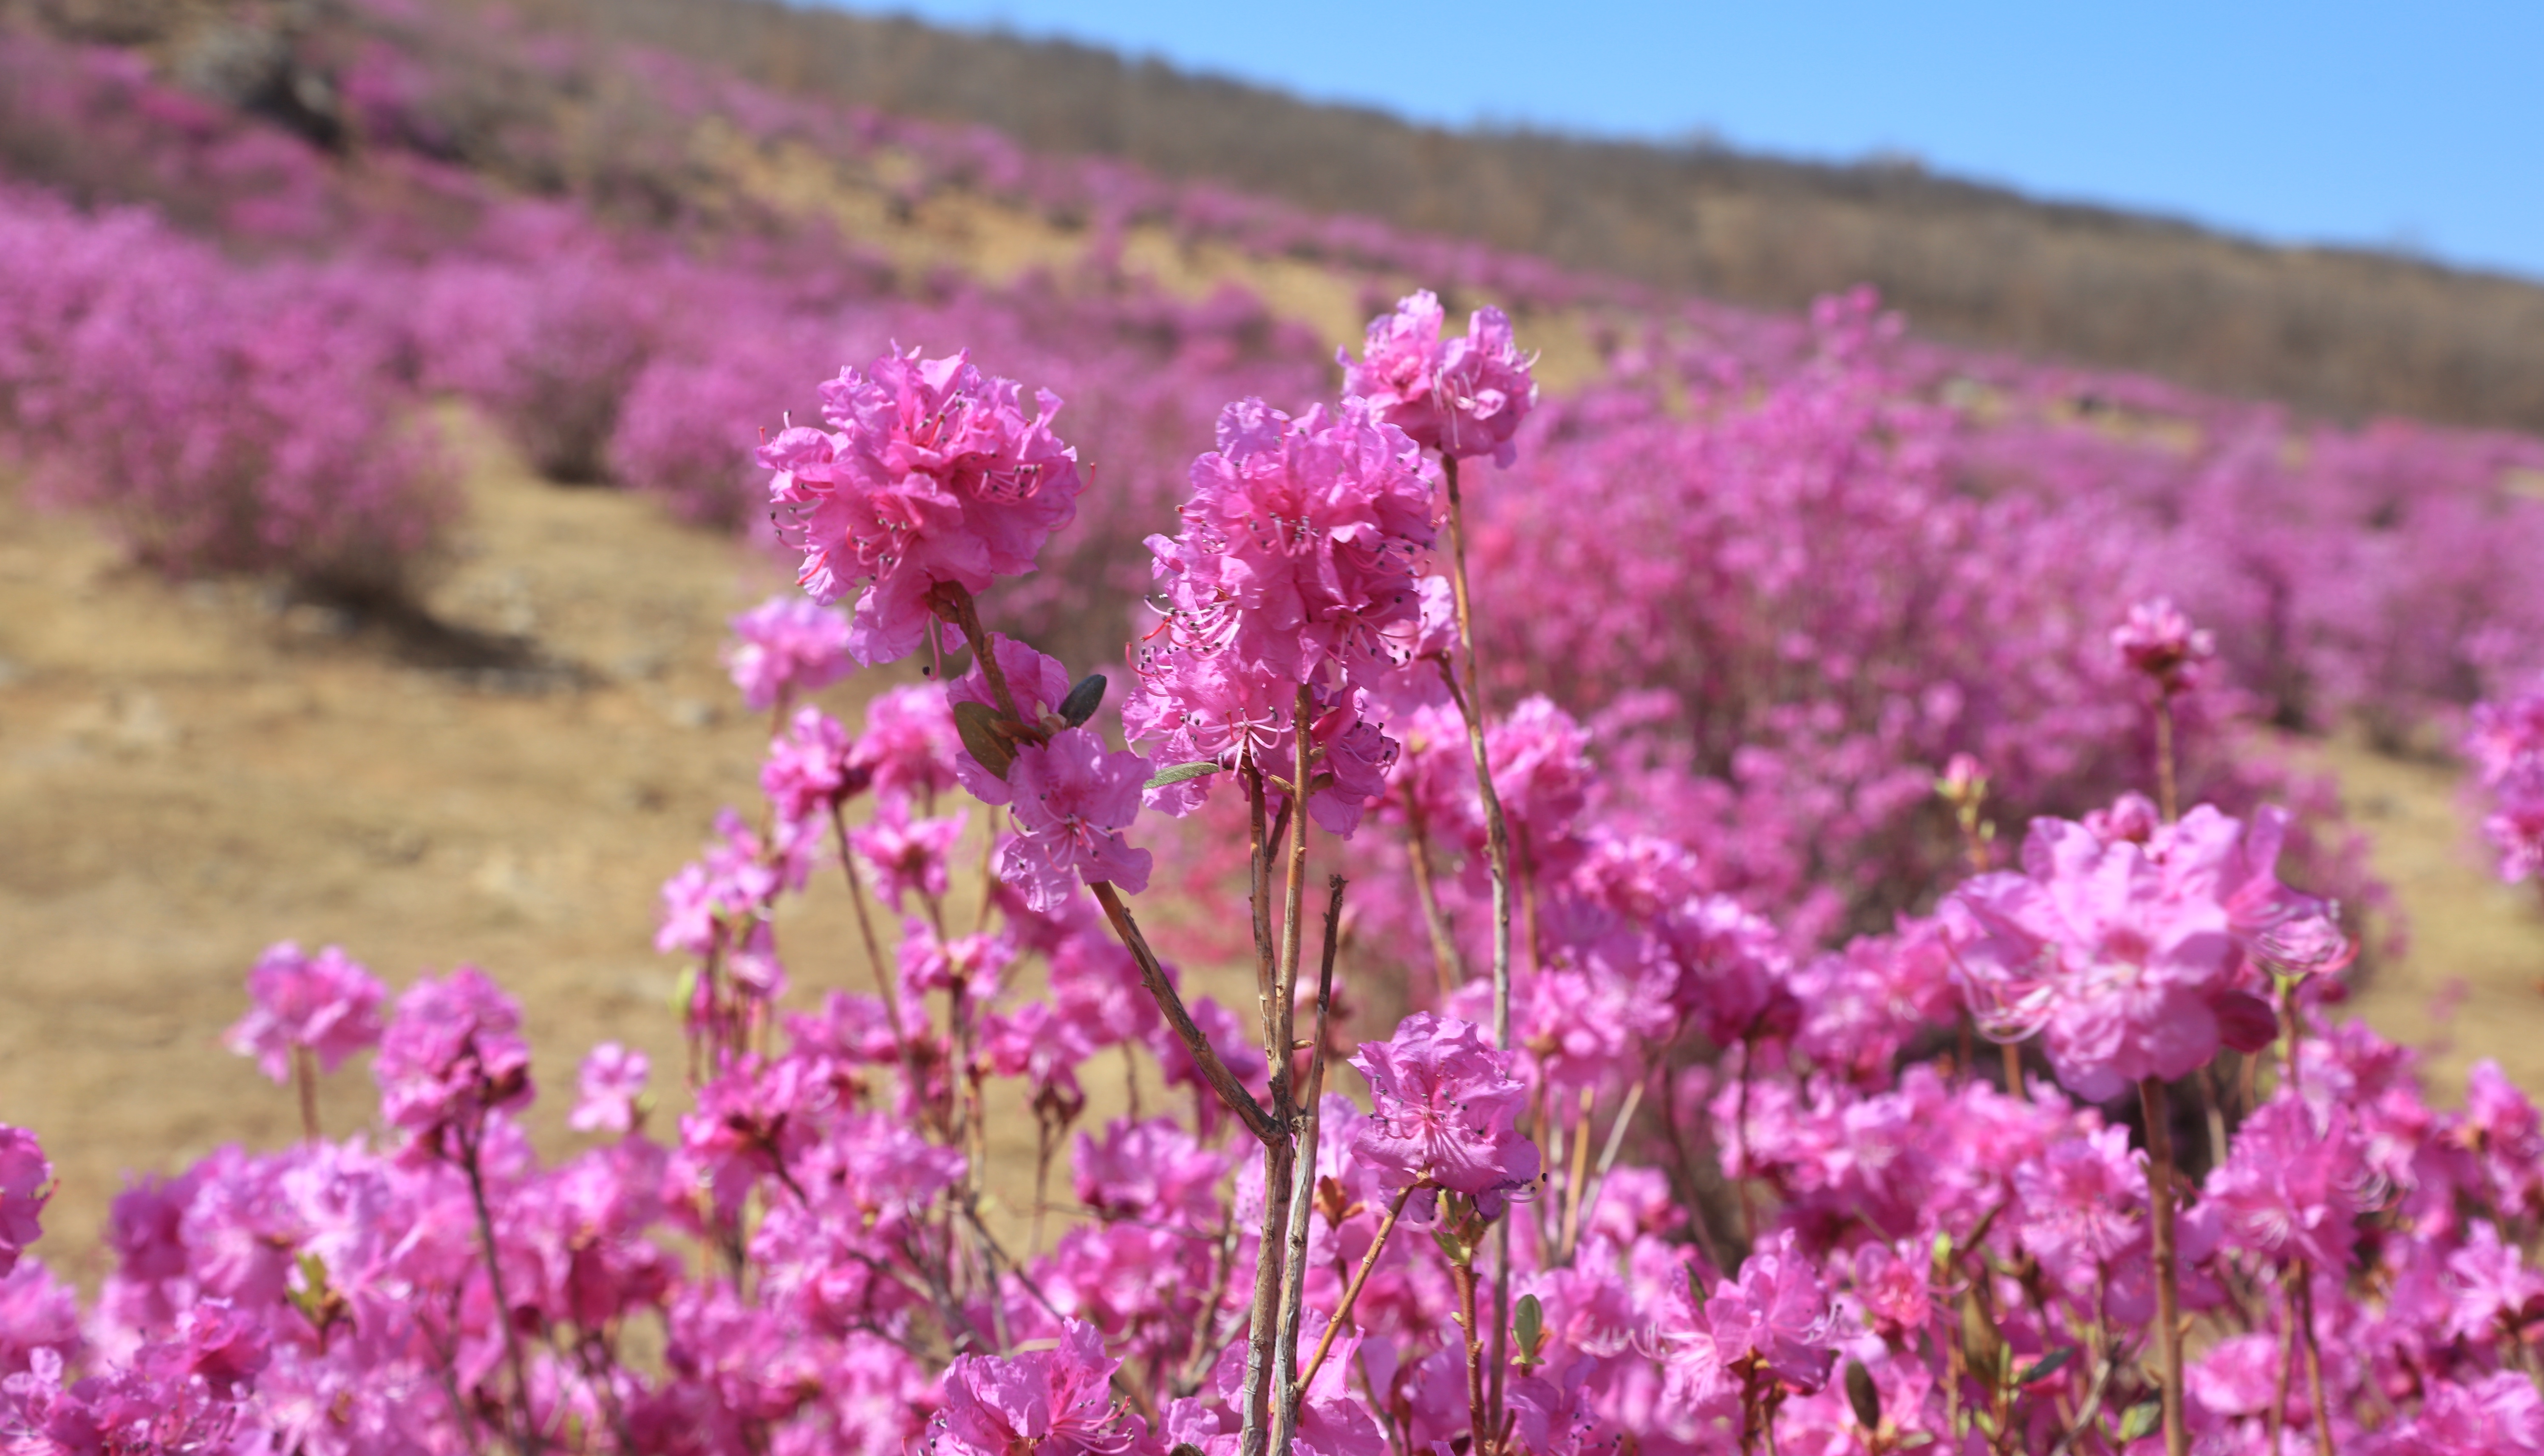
column 2142, row 1417
column 978, row 725
column 1082, row 700
column 1864, row 1396
column 1177, row 773
column 1459, row 1251
column 1696, row 1288
column 1186, row 1448
column 2048, row 1364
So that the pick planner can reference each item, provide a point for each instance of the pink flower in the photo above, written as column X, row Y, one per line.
column 930, row 474
column 453, row 1054
column 2125, row 953
column 1037, row 683
column 1445, row 1108
column 1212, row 708
column 1776, row 1316
column 26, row 1185
column 1151, row 1170
column 786, row 647
column 1073, row 800
column 2292, row 1184
column 909, row 744
column 907, row 858
column 1302, row 544
column 611, row 1081
column 1464, row 398
column 809, row 770
column 1056, row 1402
column 2160, row 642
column 326, row 1003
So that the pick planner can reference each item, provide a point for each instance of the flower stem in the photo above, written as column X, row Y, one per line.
column 1294, row 1265
column 1479, row 1424
column 2166, row 796
column 1446, row 964
column 526, row 1439
column 304, row 1078
column 1496, row 830
column 1497, row 850
column 1204, row 1055
column 2313, row 1361
column 967, row 616
column 2167, row 1292
column 1360, row 1276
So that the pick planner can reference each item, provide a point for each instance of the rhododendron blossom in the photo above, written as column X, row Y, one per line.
column 2123, row 954
column 1072, row 799
column 1055, row 1400
column 930, row 474
column 1465, row 397
column 1445, row 1113
column 326, row 1004
column 25, row 1182
column 786, row 647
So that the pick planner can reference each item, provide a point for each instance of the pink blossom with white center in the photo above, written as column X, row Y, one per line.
column 1072, row 799
column 785, row 647
column 326, row 1004
column 611, row 1081
column 929, row 474
column 1445, row 1108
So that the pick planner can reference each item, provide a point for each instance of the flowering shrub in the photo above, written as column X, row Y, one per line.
column 2507, row 746
column 1688, row 1175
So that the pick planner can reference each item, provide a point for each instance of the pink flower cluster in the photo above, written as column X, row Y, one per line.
column 929, row 475
column 2506, row 745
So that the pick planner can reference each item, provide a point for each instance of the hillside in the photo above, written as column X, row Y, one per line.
column 2345, row 332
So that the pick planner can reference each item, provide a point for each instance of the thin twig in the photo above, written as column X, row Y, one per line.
column 1204, row 1055
column 1360, row 1276
column 1303, row 1190
column 2167, row 1294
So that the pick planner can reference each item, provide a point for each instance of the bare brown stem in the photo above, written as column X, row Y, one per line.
column 2168, row 1292
column 1204, row 1055
column 1351, row 1291
column 2313, row 1361
column 304, row 1077
column 1447, row 964
column 1496, row 829
column 1303, row 1185
column 2166, row 798
column 967, row 616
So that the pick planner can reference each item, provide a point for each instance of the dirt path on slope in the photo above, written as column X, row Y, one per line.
column 189, row 773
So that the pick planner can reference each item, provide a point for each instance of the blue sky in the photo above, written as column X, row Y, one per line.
column 2419, row 127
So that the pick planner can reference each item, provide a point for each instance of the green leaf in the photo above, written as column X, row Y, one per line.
column 1177, row 773
column 1864, row 1396
column 2048, row 1364
column 683, row 990
column 2143, row 1417
column 1082, row 700
column 978, row 725
column 1529, row 1322
column 1459, row 1251
column 1696, row 1288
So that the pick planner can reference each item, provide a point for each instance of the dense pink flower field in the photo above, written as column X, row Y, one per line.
column 1688, row 1175
column 1648, row 744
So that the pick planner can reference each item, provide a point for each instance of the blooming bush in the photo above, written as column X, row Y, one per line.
column 1690, row 1172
